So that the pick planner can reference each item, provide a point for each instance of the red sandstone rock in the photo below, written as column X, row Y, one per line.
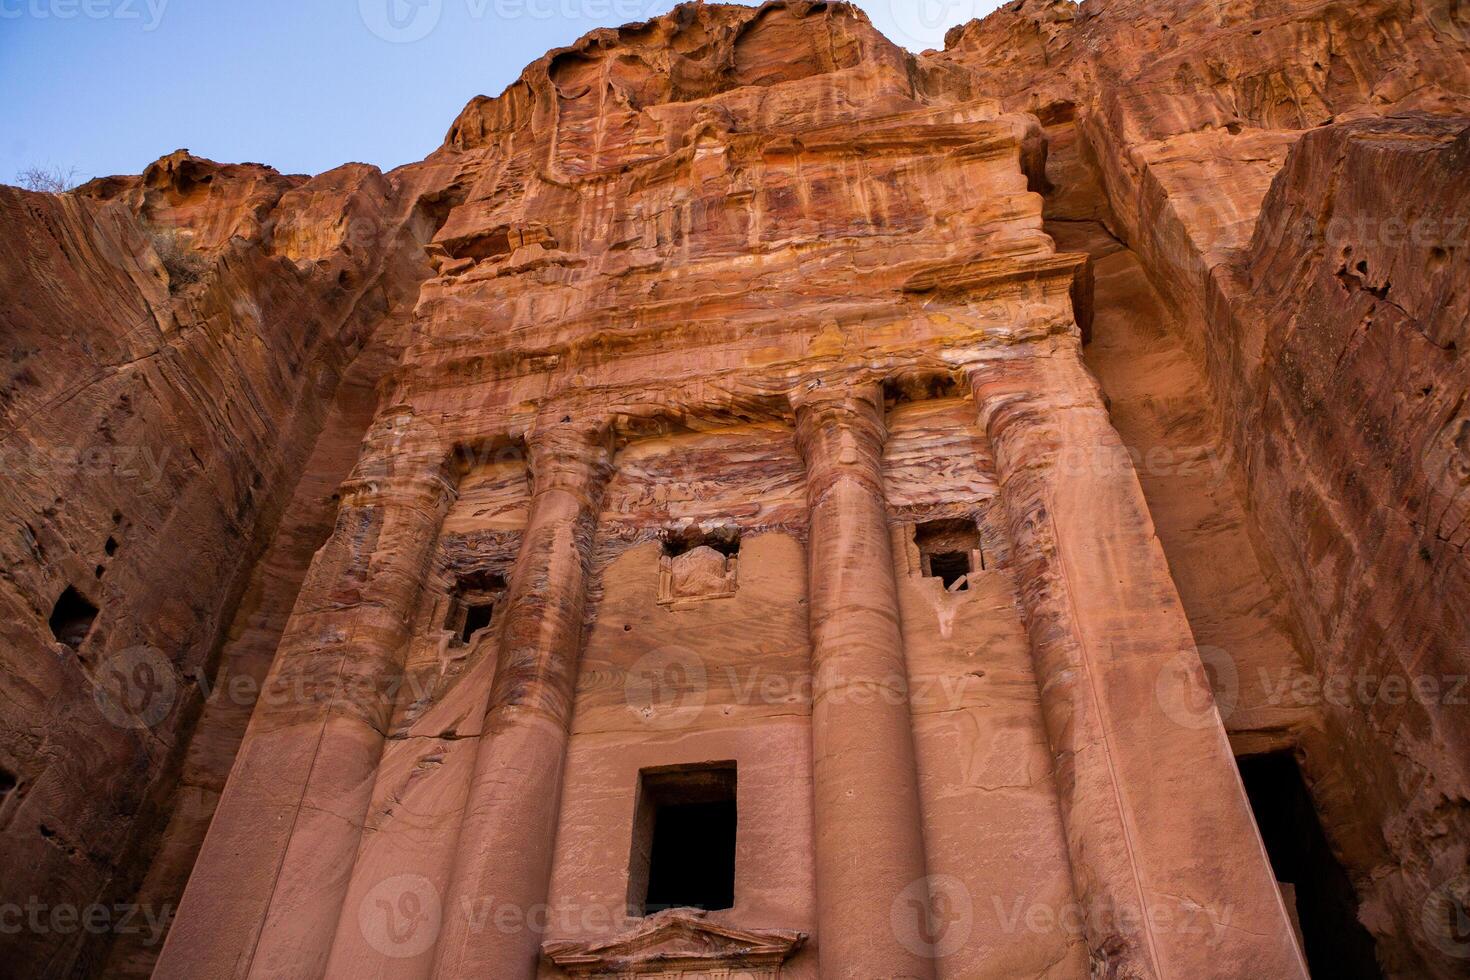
column 729, row 369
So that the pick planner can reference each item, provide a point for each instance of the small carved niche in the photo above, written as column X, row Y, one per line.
column 472, row 606
column 950, row 550
column 11, row 790
column 72, row 618
column 698, row 565
column 683, row 853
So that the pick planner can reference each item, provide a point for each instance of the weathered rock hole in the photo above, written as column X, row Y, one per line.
column 8, row 784
column 72, row 618
column 920, row 387
column 110, row 547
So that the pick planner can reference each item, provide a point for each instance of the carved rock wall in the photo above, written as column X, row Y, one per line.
column 680, row 355
column 1251, row 156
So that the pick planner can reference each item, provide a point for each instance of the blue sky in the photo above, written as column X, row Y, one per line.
column 108, row 86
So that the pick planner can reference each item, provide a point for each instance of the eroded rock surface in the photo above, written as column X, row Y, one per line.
column 709, row 420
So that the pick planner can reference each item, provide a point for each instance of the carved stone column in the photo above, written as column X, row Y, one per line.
column 266, row 891
column 1165, row 854
column 503, row 857
column 869, row 840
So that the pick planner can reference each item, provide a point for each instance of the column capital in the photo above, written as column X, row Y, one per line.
column 1029, row 396
column 859, row 395
column 569, row 454
column 402, row 456
column 840, row 426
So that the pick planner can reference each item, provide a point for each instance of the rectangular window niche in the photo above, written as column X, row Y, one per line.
column 683, row 853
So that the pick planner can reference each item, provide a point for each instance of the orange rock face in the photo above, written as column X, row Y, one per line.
column 757, row 502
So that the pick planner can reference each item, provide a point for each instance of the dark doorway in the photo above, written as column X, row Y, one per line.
column 684, row 840
column 1335, row 943
column 72, row 617
column 476, row 618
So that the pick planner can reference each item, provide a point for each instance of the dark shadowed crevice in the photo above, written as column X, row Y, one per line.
column 1326, row 905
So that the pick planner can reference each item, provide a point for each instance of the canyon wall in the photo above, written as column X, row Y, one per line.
column 175, row 341
column 953, row 463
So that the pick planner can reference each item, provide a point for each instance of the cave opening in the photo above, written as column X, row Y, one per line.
column 1317, row 890
column 72, row 618
column 684, row 840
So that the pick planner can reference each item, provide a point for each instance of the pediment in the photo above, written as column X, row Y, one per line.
column 675, row 940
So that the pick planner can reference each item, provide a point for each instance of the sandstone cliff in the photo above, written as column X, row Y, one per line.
column 1255, row 211
column 175, row 341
